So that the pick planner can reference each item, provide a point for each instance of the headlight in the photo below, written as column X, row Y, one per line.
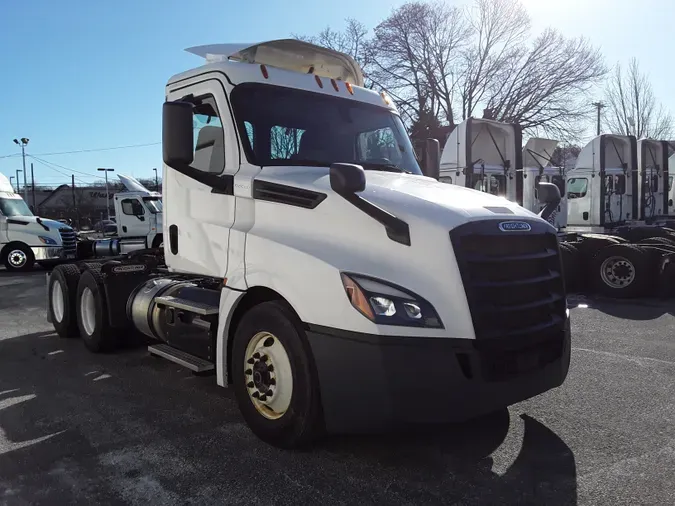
column 47, row 240
column 388, row 304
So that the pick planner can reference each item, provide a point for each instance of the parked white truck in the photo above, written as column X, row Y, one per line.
column 138, row 217
column 311, row 264
column 605, row 248
column 26, row 239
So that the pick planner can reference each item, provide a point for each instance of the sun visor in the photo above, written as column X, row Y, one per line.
column 132, row 184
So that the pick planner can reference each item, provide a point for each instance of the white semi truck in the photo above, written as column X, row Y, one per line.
column 138, row 215
column 26, row 239
column 605, row 248
column 310, row 263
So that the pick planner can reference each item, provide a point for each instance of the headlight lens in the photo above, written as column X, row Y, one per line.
column 47, row 240
column 388, row 304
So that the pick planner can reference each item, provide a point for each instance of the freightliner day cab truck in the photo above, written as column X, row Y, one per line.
column 26, row 239
column 311, row 264
column 605, row 248
column 138, row 213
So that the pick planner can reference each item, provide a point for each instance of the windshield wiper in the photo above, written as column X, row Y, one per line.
column 385, row 167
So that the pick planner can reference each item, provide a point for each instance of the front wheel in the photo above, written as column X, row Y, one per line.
column 274, row 378
column 19, row 258
column 622, row 271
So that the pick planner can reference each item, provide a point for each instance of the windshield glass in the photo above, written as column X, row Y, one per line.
column 14, row 207
column 154, row 204
column 282, row 126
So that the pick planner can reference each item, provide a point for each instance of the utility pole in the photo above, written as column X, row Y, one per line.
column 32, row 184
column 107, row 194
column 156, row 180
column 599, row 106
column 23, row 142
column 18, row 186
column 72, row 187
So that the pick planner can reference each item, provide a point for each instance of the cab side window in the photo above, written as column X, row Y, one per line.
column 132, row 207
column 577, row 187
column 209, row 137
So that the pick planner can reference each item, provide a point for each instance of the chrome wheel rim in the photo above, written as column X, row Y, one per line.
column 58, row 301
column 88, row 311
column 17, row 258
column 617, row 272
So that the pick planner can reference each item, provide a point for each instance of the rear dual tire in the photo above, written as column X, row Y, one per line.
column 92, row 313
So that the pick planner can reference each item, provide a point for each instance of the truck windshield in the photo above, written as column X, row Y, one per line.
column 154, row 204
column 14, row 207
column 283, row 126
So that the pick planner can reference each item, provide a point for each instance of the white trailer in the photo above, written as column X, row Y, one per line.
column 605, row 248
column 138, row 215
column 310, row 263
column 26, row 239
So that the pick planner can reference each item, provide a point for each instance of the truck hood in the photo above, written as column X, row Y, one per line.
column 32, row 220
column 446, row 204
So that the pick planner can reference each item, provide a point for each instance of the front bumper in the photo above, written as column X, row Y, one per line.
column 51, row 253
column 370, row 382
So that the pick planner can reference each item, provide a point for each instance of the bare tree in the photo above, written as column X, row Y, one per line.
column 632, row 107
column 499, row 29
column 547, row 88
column 413, row 55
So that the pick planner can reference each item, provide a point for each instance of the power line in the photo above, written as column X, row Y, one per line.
column 94, row 150
column 52, row 164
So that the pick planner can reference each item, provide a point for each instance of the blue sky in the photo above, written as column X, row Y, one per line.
column 82, row 75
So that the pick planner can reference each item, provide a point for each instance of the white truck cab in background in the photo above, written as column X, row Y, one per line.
column 311, row 264
column 138, row 219
column 26, row 239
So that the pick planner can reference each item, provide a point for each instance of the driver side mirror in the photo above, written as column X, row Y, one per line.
column 177, row 134
column 549, row 194
column 432, row 159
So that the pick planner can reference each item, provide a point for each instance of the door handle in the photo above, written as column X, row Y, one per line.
column 173, row 239
column 124, row 228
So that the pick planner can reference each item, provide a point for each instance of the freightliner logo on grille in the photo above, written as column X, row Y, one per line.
column 514, row 226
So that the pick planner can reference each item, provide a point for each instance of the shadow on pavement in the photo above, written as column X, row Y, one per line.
column 627, row 309
column 77, row 428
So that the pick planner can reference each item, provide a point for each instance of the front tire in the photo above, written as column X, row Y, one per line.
column 92, row 313
column 274, row 377
column 19, row 258
column 622, row 271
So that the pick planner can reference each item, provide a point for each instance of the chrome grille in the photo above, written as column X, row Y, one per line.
column 69, row 240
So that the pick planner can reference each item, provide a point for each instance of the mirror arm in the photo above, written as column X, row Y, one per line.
column 220, row 184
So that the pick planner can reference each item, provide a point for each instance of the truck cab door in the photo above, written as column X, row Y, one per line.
column 133, row 221
column 198, row 217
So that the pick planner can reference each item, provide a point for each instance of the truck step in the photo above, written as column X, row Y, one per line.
column 196, row 364
column 199, row 308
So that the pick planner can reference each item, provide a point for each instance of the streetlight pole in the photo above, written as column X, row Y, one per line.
column 23, row 142
column 107, row 195
column 18, row 186
column 156, row 180
column 599, row 106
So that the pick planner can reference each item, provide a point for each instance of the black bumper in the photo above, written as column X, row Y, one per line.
column 371, row 382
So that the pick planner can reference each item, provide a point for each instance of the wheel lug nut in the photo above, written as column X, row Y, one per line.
column 269, row 393
column 263, row 398
column 270, row 368
column 272, row 381
column 250, row 361
column 256, row 355
column 255, row 394
column 264, row 358
column 248, row 372
column 250, row 384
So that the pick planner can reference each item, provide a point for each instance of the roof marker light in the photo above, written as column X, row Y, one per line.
column 263, row 69
column 385, row 97
column 335, row 86
column 318, row 81
column 349, row 88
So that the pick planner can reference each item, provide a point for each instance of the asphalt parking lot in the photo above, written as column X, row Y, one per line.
column 77, row 428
